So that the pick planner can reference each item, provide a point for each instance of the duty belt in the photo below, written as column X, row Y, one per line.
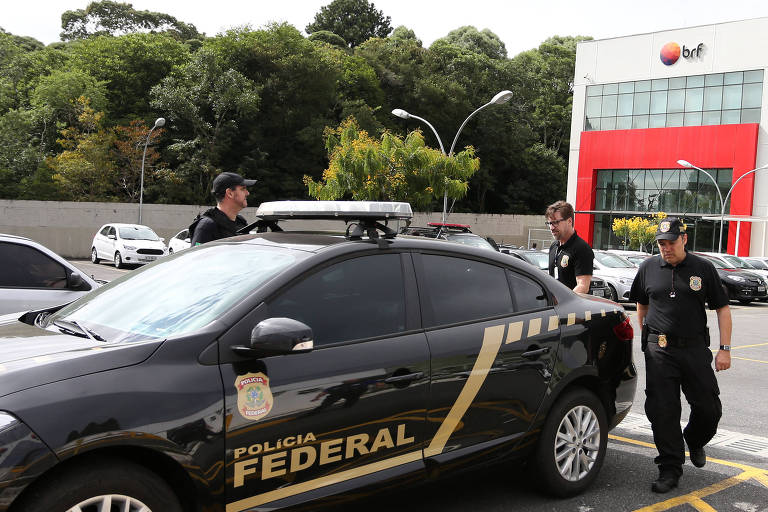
column 664, row 340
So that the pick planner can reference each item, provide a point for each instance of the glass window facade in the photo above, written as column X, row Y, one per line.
column 719, row 98
column 686, row 193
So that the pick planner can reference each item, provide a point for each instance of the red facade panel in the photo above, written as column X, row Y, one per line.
column 723, row 146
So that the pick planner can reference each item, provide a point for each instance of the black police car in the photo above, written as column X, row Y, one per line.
column 741, row 285
column 272, row 369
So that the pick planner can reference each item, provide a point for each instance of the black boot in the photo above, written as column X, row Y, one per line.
column 698, row 456
column 666, row 482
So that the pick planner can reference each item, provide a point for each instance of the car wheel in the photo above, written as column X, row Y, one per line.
column 119, row 261
column 612, row 293
column 573, row 443
column 94, row 255
column 170, row 250
column 101, row 486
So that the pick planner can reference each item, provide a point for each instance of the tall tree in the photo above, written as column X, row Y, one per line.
column 485, row 41
column 129, row 156
column 355, row 21
column 118, row 18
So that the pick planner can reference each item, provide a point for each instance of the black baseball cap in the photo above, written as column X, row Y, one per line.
column 227, row 180
column 670, row 228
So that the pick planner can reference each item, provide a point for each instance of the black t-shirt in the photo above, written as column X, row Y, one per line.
column 573, row 258
column 694, row 282
column 214, row 225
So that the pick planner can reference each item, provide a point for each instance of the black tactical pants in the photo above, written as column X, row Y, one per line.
column 668, row 370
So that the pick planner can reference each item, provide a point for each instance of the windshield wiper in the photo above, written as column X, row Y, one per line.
column 83, row 333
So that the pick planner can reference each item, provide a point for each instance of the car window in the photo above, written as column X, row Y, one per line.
column 758, row 264
column 716, row 262
column 470, row 239
column 736, row 262
column 527, row 293
column 138, row 233
column 612, row 260
column 104, row 231
column 182, row 235
column 353, row 299
column 112, row 231
column 461, row 290
column 198, row 286
column 22, row 266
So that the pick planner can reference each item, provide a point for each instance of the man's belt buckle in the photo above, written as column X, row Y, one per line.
column 662, row 340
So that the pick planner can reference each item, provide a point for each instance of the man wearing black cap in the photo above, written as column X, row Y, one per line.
column 670, row 291
column 230, row 191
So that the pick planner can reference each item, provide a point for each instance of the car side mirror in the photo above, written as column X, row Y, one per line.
column 77, row 283
column 112, row 237
column 188, row 240
column 162, row 239
column 277, row 336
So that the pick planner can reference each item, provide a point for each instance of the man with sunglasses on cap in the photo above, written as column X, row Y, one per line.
column 670, row 290
column 571, row 259
column 223, row 221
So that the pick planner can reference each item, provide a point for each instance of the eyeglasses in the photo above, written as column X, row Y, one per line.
column 552, row 223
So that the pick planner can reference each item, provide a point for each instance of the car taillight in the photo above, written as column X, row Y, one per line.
column 624, row 330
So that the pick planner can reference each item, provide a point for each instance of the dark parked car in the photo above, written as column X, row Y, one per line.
column 459, row 233
column 741, row 285
column 272, row 369
column 597, row 286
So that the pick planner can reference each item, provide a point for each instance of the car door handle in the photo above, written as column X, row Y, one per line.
column 399, row 379
column 533, row 354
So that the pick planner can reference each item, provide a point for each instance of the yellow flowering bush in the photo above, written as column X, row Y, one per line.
column 637, row 232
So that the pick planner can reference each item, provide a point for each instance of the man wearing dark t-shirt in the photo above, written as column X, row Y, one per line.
column 223, row 221
column 570, row 257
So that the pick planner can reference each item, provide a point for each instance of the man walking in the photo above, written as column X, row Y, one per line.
column 223, row 221
column 570, row 257
column 670, row 290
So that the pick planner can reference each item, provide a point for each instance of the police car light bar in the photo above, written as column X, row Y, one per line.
column 447, row 225
column 328, row 210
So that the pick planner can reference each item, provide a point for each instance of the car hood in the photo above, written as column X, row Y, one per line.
column 746, row 274
column 143, row 244
column 31, row 356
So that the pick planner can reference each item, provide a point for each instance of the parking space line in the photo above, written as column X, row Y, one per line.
column 748, row 359
column 694, row 498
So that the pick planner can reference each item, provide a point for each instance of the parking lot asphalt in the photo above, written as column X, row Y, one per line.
column 735, row 477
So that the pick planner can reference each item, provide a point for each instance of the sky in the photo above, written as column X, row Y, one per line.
column 521, row 24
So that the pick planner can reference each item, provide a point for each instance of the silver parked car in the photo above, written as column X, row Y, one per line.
column 126, row 244
column 34, row 277
column 617, row 272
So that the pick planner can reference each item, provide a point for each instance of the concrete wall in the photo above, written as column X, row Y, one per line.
column 68, row 227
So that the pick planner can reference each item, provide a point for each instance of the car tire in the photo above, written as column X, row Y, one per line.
column 94, row 255
column 119, row 260
column 170, row 250
column 573, row 442
column 612, row 292
column 94, row 485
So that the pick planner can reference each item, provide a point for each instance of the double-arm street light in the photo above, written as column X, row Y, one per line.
column 685, row 163
column 502, row 97
column 158, row 123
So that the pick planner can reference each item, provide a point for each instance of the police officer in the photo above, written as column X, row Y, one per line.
column 223, row 221
column 670, row 290
column 570, row 257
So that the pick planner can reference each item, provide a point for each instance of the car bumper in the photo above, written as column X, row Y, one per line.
column 739, row 291
column 135, row 258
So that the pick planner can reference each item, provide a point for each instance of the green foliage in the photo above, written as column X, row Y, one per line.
column 484, row 42
column 118, row 18
column 326, row 36
column 389, row 168
column 402, row 34
column 355, row 21
column 18, row 154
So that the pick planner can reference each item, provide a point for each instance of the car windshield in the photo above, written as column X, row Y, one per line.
column 470, row 239
column 715, row 261
column 539, row 259
column 758, row 264
column 736, row 262
column 138, row 233
column 612, row 260
column 178, row 295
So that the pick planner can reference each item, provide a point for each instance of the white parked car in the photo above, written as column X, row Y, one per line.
column 34, row 277
column 126, row 244
column 179, row 242
column 617, row 272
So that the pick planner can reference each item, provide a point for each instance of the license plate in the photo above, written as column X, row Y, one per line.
column 761, row 288
column 147, row 258
column 598, row 293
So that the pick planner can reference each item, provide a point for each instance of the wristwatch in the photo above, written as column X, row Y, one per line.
column 727, row 348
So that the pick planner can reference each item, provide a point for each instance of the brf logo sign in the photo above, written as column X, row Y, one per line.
column 670, row 52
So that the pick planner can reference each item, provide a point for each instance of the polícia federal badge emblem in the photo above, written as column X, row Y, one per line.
column 564, row 261
column 664, row 226
column 662, row 340
column 254, row 398
column 695, row 283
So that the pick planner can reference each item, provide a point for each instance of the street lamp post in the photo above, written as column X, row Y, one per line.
column 498, row 99
column 158, row 123
column 686, row 163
